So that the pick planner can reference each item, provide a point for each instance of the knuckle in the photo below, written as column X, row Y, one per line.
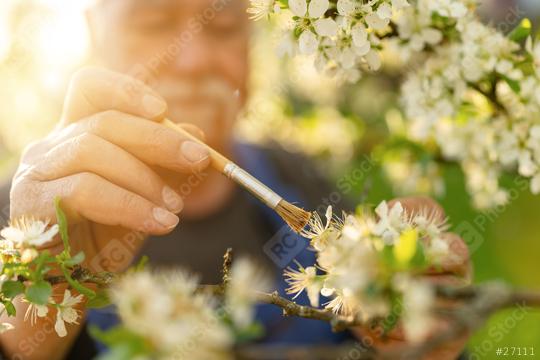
column 82, row 187
column 98, row 123
column 83, row 142
column 23, row 196
column 31, row 150
column 130, row 87
column 75, row 149
column 129, row 201
column 82, row 147
column 194, row 130
column 159, row 137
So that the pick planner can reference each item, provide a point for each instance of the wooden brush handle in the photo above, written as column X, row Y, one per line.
column 218, row 161
column 232, row 171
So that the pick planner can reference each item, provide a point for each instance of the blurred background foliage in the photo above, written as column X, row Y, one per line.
column 342, row 126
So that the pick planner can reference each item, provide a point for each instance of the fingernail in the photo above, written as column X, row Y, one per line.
column 152, row 105
column 173, row 201
column 165, row 218
column 194, row 152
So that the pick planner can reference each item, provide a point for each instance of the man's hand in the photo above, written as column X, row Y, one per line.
column 456, row 270
column 100, row 161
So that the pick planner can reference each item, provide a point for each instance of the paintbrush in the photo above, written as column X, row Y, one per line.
column 294, row 216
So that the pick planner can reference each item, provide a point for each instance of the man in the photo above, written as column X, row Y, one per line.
column 121, row 174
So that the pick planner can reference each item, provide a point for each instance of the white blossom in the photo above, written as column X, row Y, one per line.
column 418, row 301
column 245, row 279
column 317, row 8
column 384, row 11
column 326, row 27
column 304, row 279
column 29, row 232
column 464, row 57
column 359, row 35
column 308, row 43
column 375, row 21
column 34, row 311
column 321, row 234
column 165, row 309
column 346, row 7
column 400, row 4
column 261, row 9
column 66, row 312
column 391, row 221
column 449, row 8
column 298, row 7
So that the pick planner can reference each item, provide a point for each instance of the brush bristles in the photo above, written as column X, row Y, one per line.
column 295, row 217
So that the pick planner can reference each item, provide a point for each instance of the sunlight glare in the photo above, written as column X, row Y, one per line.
column 63, row 36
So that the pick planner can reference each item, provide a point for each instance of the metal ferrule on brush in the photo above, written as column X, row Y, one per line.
column 242, row 177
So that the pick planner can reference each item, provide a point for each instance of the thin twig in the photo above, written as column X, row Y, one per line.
column 82, row 275
column 226, row 269
column 290, row 308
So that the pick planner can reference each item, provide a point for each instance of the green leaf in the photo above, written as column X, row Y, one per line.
column 419, row 260
column 392, row 319
column 142, row 263
column 62, row 224
column 77, row 259
column 39, row 292
column 514, row 84
column 521, row 31
column 252, row 331
column 40, row 262
column 99, row 301
column 10, row 289
column 123, row 343
column 10, row 308
column 118, row 352
column 388, row 256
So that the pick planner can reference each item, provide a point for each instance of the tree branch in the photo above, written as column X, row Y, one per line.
column 475, row 305
column 84, row 275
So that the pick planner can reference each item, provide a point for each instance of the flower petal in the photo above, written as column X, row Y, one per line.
column 41, row 310
column 362, row 50
column 326, row 27
column 298, row 7
column 347, row 58
column 317, row 8
column 59, row 326
column 345, row 7
column 308, row 43
column 69, row 315
column 384, row 11
column 399, row 4
column 375, row 22
column 359, row 35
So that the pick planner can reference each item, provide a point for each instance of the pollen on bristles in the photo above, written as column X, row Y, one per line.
column 295, row 217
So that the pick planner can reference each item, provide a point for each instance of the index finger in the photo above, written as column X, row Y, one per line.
column 93, row 90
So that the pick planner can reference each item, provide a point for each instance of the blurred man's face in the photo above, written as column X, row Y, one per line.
column 194, row 52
